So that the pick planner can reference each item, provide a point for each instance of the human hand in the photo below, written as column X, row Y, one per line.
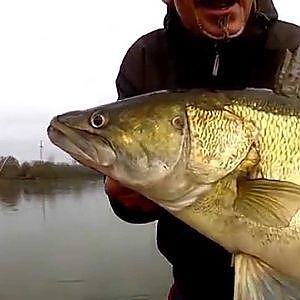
column 128, row 197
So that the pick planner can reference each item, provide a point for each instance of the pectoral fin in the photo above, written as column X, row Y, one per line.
column 267, row 202
column 255, row 280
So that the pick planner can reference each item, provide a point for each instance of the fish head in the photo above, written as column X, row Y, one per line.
column 138, row 141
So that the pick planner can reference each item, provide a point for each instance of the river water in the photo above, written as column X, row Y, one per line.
column 59, row 240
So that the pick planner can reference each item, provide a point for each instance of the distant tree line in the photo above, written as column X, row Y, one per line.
column 11, row 168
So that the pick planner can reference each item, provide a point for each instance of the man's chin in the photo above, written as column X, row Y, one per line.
column 215, row 32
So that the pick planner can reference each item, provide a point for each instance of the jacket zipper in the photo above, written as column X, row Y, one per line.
column 216, row 65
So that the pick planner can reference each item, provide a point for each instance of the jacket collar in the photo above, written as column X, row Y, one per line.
column 266, row 8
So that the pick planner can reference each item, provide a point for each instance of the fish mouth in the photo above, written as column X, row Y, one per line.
column 81, row 145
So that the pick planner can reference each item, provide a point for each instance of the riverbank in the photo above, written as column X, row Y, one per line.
column 11, row 168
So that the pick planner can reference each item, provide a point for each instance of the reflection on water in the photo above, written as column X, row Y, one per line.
column 13, row 191
column 59, row 240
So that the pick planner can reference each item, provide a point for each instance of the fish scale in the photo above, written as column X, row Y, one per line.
column 213, row 134
column 278, row 142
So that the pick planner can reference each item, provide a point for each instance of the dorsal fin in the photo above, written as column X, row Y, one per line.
column 288, row 83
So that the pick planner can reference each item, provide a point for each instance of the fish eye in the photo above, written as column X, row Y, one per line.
column 98, row 120
column 178, row 122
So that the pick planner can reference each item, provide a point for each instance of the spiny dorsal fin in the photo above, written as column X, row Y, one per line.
column 288, row 83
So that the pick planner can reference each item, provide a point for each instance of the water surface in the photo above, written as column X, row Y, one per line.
column 59, row 240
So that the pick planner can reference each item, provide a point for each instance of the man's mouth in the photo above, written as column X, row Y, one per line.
column 216, row 4
column 220, row 19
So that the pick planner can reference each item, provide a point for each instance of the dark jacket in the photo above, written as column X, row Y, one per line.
column 170, row 58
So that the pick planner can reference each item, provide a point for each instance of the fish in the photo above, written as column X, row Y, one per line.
column 225, row 162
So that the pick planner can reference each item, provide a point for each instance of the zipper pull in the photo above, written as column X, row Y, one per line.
column 216, row 65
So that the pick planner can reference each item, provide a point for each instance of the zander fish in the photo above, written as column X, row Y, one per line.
column 225, row 162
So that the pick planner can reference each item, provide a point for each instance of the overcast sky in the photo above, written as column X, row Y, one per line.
column 62, row 55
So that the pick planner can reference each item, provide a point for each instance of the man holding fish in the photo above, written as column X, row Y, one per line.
column 211, row 44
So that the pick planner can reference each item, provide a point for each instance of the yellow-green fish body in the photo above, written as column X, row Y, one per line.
column 225, row 162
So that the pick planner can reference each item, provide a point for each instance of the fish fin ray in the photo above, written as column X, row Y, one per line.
column 267, row 202
column 288, row 79
column 255, row 280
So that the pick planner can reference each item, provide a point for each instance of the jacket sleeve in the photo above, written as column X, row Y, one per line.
column 130, row 82
column 130, row 79
column 134, row 216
